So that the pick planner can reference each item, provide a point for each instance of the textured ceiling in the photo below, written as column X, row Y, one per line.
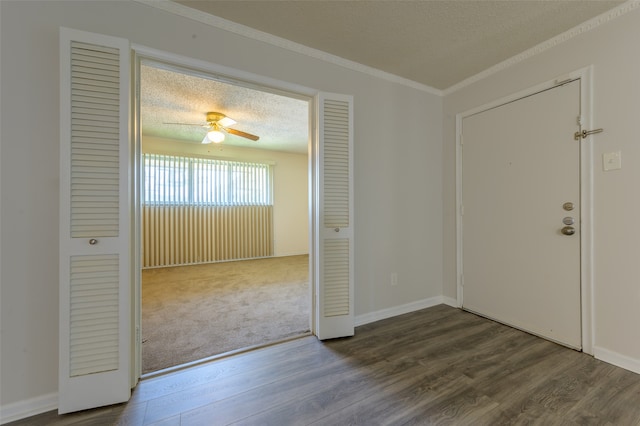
column 437, row 43
column 170, row 96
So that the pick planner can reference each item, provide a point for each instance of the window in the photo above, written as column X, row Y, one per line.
column 173, row 180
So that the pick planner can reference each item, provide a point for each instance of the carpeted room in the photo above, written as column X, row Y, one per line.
column 224, row 225
column 195, row 312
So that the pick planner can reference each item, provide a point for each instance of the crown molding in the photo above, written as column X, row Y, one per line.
column 549, row 44
column 232, row 27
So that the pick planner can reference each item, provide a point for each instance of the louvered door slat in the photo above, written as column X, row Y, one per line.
column 336, row 163
column 94, row 70
column 87, row 304
column 336, row 265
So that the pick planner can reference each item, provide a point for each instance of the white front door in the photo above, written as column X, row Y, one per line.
column 520, row 189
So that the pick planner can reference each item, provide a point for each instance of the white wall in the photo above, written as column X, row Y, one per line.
column 612, row 49
column 398, row 170
column 290, row 186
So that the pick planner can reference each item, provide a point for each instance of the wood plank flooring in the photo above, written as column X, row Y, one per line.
column 437, row 366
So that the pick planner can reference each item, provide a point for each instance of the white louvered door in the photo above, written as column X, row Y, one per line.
column 95, row 314
column 334, row 223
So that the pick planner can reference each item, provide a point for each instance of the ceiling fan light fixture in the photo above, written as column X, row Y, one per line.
column 216, row 123
column 215, row 136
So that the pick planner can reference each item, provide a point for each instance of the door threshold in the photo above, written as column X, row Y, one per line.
column 223, row 355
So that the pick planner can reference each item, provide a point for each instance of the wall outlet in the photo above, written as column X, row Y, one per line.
column 394, row 278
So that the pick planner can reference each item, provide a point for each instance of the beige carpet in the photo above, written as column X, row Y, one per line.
column 194, row 312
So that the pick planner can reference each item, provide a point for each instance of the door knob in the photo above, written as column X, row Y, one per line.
column 568, row 230
column 93, row 241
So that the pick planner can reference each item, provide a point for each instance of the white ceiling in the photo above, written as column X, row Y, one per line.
column 434, row 42
column 437, row 43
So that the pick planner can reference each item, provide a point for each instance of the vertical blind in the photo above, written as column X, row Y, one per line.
column 199, row 210
column 175, row 180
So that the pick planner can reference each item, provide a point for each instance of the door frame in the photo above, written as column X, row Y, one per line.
column 586, row 191
column 231, row 76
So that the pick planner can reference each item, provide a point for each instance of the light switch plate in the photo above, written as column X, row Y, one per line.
column 612, row 161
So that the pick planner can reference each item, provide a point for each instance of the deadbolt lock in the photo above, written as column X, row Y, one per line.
column 568, row 206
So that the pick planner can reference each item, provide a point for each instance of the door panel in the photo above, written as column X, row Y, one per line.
column 95, row 314
column 520, row 165
column 334, row 224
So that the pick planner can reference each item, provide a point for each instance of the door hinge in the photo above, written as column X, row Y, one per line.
column 461, row 280
column 579, row 120
column 562, row 80
column 461, row 210
column 461, row 140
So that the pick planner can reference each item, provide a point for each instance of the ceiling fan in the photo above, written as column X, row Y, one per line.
column 217, row 124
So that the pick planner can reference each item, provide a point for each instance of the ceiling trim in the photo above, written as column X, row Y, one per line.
column 549, row 44
column 252, row 33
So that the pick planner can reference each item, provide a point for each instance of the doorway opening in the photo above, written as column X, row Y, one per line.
column 225, row 227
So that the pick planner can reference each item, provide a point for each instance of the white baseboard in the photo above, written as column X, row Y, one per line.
column 27, row 408
column 617, row 359
column 293, row 253
column 402, row 309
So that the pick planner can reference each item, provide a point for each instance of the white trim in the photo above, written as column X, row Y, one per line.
column 136, row 223
column 292, row 253
column 459, row 210
column 587, row 259
column 402, row 309
column 586, row 194
column 589, row 25
column 224, row 73
column 236, row 77
column 28, row 407
column 235, row 28
column 619, row 360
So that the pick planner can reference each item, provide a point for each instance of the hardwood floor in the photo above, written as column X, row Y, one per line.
column 435, row 366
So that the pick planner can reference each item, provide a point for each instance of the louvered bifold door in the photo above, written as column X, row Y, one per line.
column 95, row 314
column 334, row 227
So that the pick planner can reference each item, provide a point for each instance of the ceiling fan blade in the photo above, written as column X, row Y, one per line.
column 190, row 124
column 226, row 121
column 241, row 134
